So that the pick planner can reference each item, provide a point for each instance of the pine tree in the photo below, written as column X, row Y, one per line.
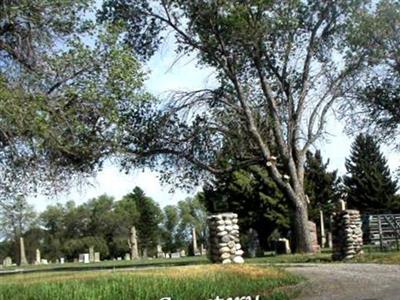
column 320, row 185
column 368, row 183
column 255, row 198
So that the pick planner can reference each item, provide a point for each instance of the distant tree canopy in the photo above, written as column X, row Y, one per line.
column 104, row 223
column 179, row 220
column 368, row 181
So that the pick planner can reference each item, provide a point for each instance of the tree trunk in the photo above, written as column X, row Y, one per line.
column 302, row 236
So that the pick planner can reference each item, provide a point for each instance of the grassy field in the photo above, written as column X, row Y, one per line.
column 115, row 264
column 191, row 282
column 392, row 257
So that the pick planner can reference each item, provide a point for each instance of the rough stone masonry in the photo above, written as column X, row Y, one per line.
column 347, row 235
column 224, row 243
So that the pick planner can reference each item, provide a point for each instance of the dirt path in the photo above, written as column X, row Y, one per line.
column 349, row 281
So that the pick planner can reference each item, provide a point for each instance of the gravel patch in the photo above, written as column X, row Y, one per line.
column 349, row 281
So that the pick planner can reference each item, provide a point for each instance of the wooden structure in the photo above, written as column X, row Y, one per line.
column 382, row 230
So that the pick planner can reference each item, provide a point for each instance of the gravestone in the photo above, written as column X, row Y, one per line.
column 84, row 258
column 127, row 256
column 44, row 261
column 175, row 255
column 22, row 253
column 38, row 258
column 203, row 250
column 97, row 257
column 167, row 255
column 133, row 245
column 282, row 246
column 119, row 258
column 196, row 251
column 322, row 228
column 91, row 254
column 329, row 236
column 160, row 253
column 7, row 262
column 312, row 227
column 62, row 260
column 182, row 253
column 254, row 243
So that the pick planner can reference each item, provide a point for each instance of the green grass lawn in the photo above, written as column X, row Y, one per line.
column 391, row 257
column 115, row 264
column 190, row 282
column 270, row 258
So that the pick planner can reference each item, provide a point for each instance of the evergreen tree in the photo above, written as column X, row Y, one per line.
column 369, row 184
column 320, row 185
column 150, row 216
column 255, row 198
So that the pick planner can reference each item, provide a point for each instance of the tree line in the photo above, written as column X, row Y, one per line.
column 66, row 230
column 264, row 212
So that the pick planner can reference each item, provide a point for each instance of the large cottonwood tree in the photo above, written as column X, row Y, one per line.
column 280, row 66
column 63, row 81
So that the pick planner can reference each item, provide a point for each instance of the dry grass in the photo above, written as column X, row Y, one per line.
column 195, row 282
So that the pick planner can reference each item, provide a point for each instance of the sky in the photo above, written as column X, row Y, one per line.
column 166, row 74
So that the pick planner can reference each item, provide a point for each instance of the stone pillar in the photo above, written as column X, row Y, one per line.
column 224, row 244
column 38, row 258
column 22, row 254
column 91, row 254
column 133, row 244
column 347, row 235
column 322, row 228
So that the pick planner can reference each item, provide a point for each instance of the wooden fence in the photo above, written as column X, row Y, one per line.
column 382, row 230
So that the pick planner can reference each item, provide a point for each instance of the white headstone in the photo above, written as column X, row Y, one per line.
column 62, row 260
column 38, row 258
column 44, row 261
column 7, row 261
column 175, row 255
column 97, row 257
column 84, row 258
